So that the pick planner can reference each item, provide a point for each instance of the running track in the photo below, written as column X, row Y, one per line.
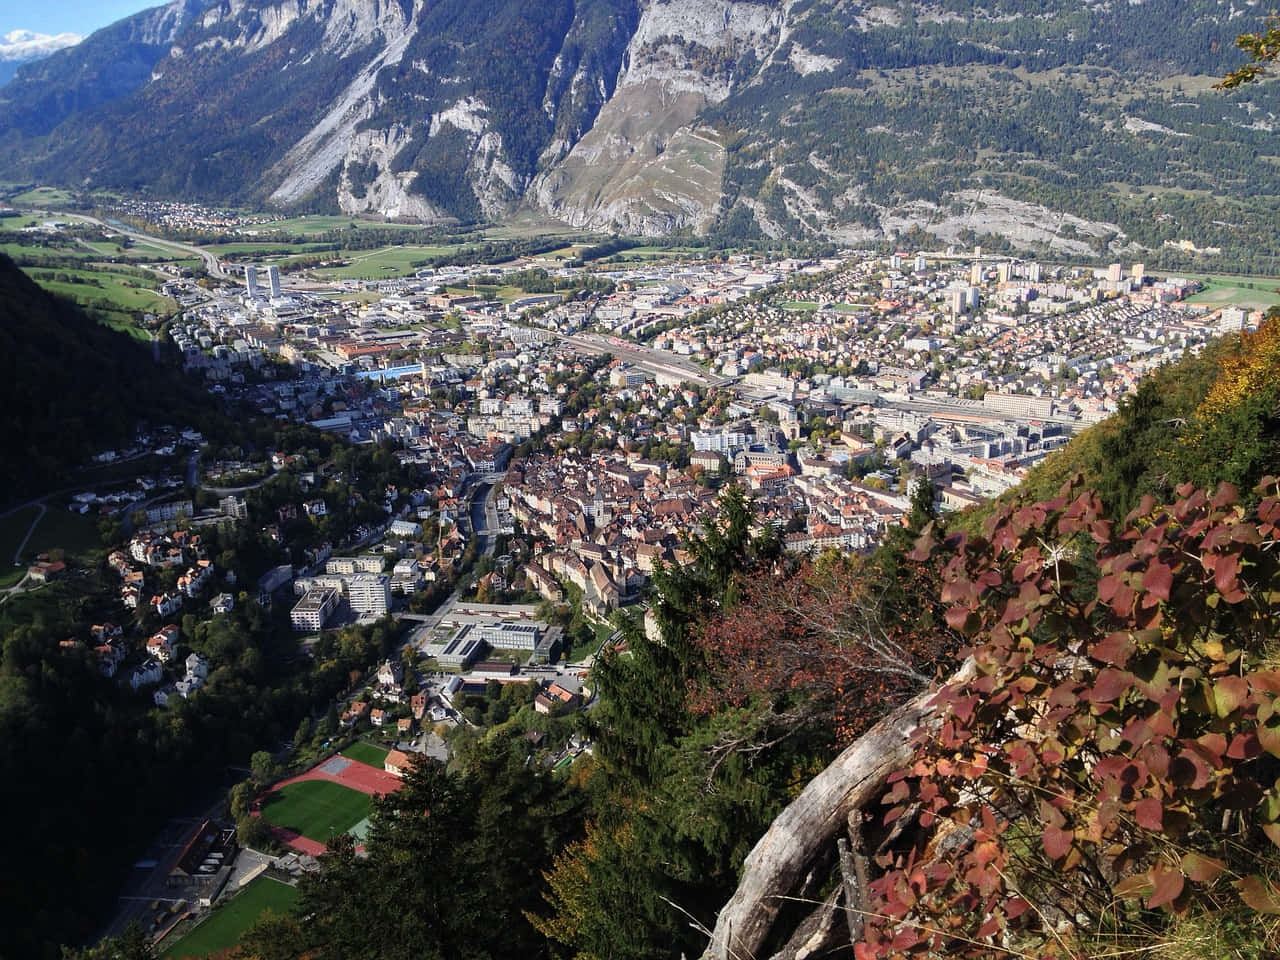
column 356, row 775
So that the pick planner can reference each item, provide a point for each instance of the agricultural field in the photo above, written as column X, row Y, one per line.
column 227, row 924
column 526, row 226
column 41, row 195
column 317, row 809
column 323, row 224
column 264, row 248
column 381, row 264
column 504, row 293
column 1252, row 293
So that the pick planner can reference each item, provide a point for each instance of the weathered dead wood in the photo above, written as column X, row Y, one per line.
column 854, row 873
column 811, row 822
column 817, row 934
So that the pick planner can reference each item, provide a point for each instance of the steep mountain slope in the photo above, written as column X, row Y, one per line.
column 1069, row 126
column 116, row 62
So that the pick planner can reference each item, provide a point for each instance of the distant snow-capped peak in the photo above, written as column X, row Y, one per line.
column 29, row 45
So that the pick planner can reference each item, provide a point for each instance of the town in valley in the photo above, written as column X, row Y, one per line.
column 559, row 427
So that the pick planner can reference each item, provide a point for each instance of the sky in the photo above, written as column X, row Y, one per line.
column 66, row 16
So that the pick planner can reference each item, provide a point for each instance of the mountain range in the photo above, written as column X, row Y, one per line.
column 1067, row 126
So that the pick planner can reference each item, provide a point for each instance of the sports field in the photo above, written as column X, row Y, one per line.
column 366, row 753
column 227, row 924
column 317, row 809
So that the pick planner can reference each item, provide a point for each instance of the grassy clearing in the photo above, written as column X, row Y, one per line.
column 60, row 529
column 267, row 251
column 227, row 924
column 12, row 529
column 89, row 287
column 123, row 323
column 367, row 753
column 804, row 305
column 91, row 250
column 317, row 809
column 503, row 293
column 41, row 195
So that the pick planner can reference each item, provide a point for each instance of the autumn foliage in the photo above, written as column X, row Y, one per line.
column 826, row 642
column 1114, row 760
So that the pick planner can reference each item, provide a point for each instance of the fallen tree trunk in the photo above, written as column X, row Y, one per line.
column 781, row 858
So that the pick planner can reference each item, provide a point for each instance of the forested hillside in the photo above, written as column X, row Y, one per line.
column 70, row 388
column 95, row 769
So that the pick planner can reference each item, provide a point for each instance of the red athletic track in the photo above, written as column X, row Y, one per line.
column 357, row 776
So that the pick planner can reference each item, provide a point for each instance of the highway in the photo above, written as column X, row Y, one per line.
column 211, row 263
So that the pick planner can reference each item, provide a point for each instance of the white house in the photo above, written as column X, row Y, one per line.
column 145, row 675
column 197, row 666
column 166, row 604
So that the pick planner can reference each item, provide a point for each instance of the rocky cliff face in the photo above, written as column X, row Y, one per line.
column 810, row 118
column 648, row 165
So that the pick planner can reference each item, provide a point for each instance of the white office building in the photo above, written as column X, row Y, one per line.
column 727, row 442
column 369, row 593
column 312, row 612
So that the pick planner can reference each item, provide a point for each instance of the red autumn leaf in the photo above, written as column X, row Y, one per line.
column 1158, row 580
column 1244, row 746
column 1226, row 569
column 1056, row 842
column 958, row 618
column 1108, row 585
column 1130, row 888
column 1015, row 908
column 1265, row 681
column 1167, row 884
column 1149, row 813
column 905, row 939
column 1110, row 685
column 1114, row 649
column 990, row 928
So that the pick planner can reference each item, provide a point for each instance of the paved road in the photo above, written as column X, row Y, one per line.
column 211, row 263
column 484, row 516
column 481, row 508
